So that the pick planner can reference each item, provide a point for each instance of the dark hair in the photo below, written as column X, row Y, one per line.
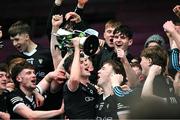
column 124, row 30
column 157, row 54
column 19, row 27
column 136, row 64
column 3, row 67
column 118, row 68
column 18, row 68
column 68, row 62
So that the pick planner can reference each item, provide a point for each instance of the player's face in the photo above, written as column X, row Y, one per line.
column 85, row 66
column 3, row 80
column 122, row 41
column 108, row 36
column 27, row 79
column 20, row 42
column 145, row 64
column 104, row 74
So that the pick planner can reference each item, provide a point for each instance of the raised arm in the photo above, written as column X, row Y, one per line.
column 174, row 40
column 130, row 73
column 57, row 85
column 176, row 10
column 170, row 28
column 147, row 91
column 55, row 9
column 74, row 80
column 55, row 52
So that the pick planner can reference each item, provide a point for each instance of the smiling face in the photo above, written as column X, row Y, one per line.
column 122, row 41
column 3, row 80
column 27, row 79
column 86, row 67
column 20, row 42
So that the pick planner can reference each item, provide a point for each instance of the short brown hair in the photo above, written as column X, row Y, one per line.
column 118, row 68
column 19, row 27
column 18, row 68
column 157, row 54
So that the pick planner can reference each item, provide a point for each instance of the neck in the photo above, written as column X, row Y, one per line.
column 84, row 80
column 31, row 46
column 107, row 89
column 27, row 92
column 109, row 48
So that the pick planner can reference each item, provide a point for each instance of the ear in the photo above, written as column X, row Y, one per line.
column 18, row 78
column 130, row 42
column 27, row 36
column 150, row 62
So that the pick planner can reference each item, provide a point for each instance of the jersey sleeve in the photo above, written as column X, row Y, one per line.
column 14, row 100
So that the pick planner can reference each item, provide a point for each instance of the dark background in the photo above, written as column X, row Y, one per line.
column 145, row 17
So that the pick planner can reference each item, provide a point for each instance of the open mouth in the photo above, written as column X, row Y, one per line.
column 3, row 83
column 86, row 69
column 111, row 40
column 18, row 48
column 118, row 45
column 33, row 81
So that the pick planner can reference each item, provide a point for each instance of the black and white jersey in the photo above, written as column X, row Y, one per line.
column 111, row 107
column 80, row 104
column 3, row 98
column 163, row 87
column 17, row 98
column 41, row 59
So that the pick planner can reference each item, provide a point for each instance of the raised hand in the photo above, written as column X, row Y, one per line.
column 57, row 20
column 75, row 42
column 116, row 79
column 176, row 10
column 81, row 3
column 120, row 53
column 72, row 16
column 169, row 26
column 155, row 70
column 58, row 2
